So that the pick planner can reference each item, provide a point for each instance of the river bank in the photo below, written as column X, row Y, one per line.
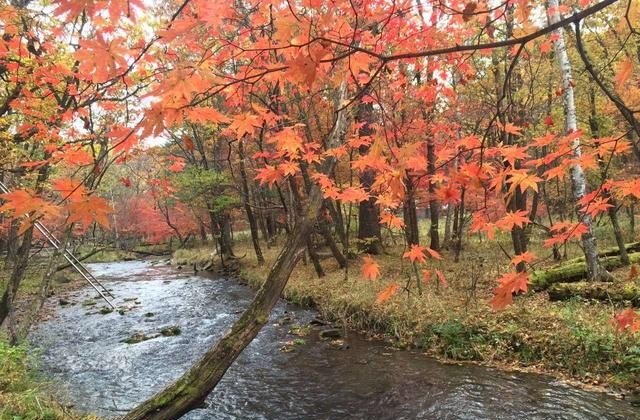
column 573, row 340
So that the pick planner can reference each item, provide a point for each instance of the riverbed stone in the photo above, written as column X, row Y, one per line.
column 331, row 333
column 139, row 337
column 171, row 331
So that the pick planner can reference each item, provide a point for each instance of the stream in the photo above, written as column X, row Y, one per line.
column 81, row 350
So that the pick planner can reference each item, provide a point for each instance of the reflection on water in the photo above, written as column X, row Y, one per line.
column 82, row 350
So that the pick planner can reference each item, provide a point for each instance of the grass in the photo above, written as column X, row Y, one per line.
column 572, row 339
column 24, row 396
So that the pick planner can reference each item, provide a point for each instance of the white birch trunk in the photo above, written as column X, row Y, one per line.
column 578, row 182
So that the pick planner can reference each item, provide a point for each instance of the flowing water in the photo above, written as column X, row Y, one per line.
column 82, row 350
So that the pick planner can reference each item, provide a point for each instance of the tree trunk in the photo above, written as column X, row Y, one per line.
column 606, row 292
column 253, row 225
column 224, row 221
column 369, row 232
column 410, row 215
column 594, row 270
column 17, row 274
column 447, row 227
column 313, row 256
column 576, row 269
column 434, row 206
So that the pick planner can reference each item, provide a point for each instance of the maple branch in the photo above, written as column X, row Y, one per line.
column 576, row 17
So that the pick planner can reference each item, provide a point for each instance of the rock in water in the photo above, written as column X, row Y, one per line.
column 331, row 333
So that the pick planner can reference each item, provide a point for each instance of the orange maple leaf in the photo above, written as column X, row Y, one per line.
column 386, row 294
column 627, row 321
column 391, row 220
column 90, row 209
column 510, row 283
column 269, row 175
column 353, row 195
column 525, row 257
column 370, row 268
column 510, row 219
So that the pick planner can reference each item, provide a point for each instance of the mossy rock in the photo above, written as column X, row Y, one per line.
column 171, row 331
column 138, row 337
column 105, row 310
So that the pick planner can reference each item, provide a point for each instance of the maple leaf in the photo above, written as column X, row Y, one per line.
column 268, row 175
column 122, row 138
column 99, row 59
column 391, row 220
column 627, row 321
column 525, row 257
column 511, row 129
column 75, row 156
column 513, row 153
column 302, row 69
column 245, row 124
column 69, row 189
column 518, row 218
column 370, row 268
column 629, row 188
column 289, row 168
column 387, row 293
column 556, row 172
column 545, row 47
column 416, row 253
column 441, row 278
column 449, row 194
column 427, row 275
column 353, row 195
column 22, row 203
column 90, row 209
column 524, row 180
column 287, row 141
column 206, row 115
column 510, row 283
column 565, row 231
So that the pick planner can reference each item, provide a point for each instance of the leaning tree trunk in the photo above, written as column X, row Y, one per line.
column 190, row 390
column 579, row 184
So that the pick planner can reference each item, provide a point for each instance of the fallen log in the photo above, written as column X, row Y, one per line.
column 574, row 270
column 614, row 292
